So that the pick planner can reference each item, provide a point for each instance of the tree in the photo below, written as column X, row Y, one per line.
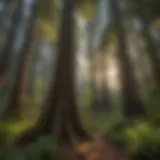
column 13, row 109
column 59, row 115
column 132, row 103
column 8, row 48
column 148, row 12
column 151, row 48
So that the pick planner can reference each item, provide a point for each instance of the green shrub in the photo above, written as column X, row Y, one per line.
column 8, row 153
column 117, row 133
column 43, row 149
column 148, row 142
column 148, row 151
column 4, row 134
column 143, row 138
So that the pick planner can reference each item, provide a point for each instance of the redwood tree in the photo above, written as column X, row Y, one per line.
column 132, row 103
column 9, row 44
column 13, row 109
column 59, row 115
column 147, row 12
column 151, row 48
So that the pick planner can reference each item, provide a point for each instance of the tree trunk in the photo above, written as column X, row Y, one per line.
column 59, row 114
column 14, row 107
column 8, row 48
column 151, row 49
column 132, row 103
column 13, row 110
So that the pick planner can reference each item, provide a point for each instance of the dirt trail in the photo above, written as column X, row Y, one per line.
column 97, row 150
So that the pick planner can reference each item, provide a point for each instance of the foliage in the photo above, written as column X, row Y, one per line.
column 148, row 151
column 152, row 106
column 116, row 133
column 148, row 7
column 107, row 35
column 45, row 9
column 146, row 138
column 9, row 153
column 88, row 10
column 9, row 130
column 43, row 149
column 47, row 29
column 142, row 137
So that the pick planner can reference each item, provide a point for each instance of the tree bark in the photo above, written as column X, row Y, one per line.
column 151, row 48
column 59, row 115
column 132, row 103
column 8, row 48
column 14, row 107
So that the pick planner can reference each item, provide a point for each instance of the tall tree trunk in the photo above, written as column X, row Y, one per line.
column 59, row 114
column 8, row 48
column 13, row 110
column 144, row 68
column 132, row 103
column 151, row 48
column 14, row 107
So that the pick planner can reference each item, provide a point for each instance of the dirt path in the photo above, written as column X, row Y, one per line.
column 97, row 150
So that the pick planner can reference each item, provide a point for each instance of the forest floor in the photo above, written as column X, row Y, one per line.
column 96, row 149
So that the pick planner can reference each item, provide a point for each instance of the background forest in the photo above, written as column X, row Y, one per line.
column 79, row 79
